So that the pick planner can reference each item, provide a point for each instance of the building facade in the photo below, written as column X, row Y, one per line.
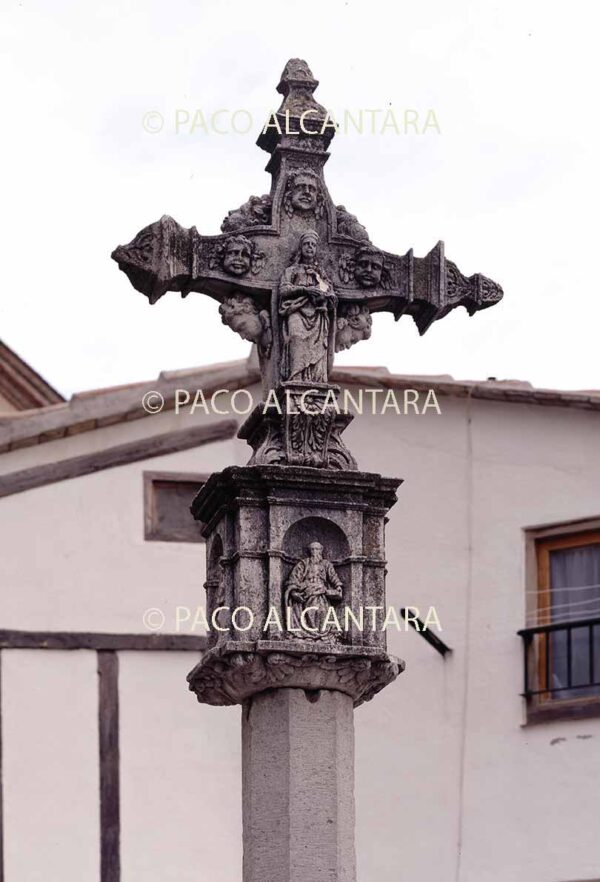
column 479, row 764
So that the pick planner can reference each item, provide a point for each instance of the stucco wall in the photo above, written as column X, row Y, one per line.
column 442, row 756
column 5, row 406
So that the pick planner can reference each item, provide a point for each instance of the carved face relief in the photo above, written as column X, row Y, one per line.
column 368, row 267
column 304, row 193
column 237, row 256
column 242, row 315
column 354, row 324
column 308, row 249
column 315, row 550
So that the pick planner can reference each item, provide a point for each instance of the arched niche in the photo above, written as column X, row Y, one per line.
column 336, row 548
column 301, row 533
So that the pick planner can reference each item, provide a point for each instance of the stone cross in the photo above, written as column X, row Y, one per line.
column 298, row 275
column 295, row 539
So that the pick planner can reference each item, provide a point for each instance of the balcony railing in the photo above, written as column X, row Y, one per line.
column 562, row 660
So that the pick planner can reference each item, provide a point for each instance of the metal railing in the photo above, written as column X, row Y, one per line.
column 562, row 660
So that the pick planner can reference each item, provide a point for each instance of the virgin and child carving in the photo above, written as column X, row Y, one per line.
column 306, row 309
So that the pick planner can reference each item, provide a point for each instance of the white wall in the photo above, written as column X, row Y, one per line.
column 181, row 776
column 50, row 766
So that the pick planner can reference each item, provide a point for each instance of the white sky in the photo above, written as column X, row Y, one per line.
column 511, row 183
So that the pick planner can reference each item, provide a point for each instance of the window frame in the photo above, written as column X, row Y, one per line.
column 540, row 543
column 152, row 531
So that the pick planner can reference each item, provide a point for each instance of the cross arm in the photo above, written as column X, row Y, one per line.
column 158, row 259
column 426, row 288
column 165, row 256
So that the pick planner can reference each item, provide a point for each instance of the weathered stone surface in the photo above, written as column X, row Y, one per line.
column 301, row 550
column 295, row 540
column 298, row 787
column 261, row 255
column 260, row 521
column 257, row 210
column 311, row 590
column 354, row 323
column 303, row 427
column 233, row 672
column 242, row 315
column 298, row 276
column 349, row 225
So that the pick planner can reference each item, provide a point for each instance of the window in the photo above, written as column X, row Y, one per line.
column 167, row 500
column 562, row 645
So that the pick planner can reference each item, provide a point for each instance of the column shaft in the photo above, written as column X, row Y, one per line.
column 298, row 787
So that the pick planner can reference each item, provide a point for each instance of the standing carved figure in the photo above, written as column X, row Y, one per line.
column 312, row 585
column 306, row 299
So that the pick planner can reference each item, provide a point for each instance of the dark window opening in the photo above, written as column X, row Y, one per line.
column 167, row 500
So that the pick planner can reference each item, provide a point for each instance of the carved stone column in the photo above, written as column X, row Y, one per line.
column 297, row 536
column 299, row 549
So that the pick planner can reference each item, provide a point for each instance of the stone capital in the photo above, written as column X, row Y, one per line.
column 234, row 672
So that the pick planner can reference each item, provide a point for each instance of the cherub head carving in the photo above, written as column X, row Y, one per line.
column 353, row 324
column 303, row 193
column 242, row 315
column 236, row 256
column 368, row 266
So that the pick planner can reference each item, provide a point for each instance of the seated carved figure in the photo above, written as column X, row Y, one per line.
column 306, row 299
column 312, row 586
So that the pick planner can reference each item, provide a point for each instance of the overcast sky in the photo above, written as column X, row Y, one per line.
column 510, row 183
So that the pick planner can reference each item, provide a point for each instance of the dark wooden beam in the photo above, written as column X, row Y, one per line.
column 108, row 728
column 425, row 633
column 118, row 455
column 101, row 642
column 23, row 387
column 577, row 709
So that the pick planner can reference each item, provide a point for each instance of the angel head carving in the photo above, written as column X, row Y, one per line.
column 303, row 193
column 236, row 256
column 241, row 314
column 353, row 324
column 366, row 267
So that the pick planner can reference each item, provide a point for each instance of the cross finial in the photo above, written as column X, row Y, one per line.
column 300, row 116
column 296, row 73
